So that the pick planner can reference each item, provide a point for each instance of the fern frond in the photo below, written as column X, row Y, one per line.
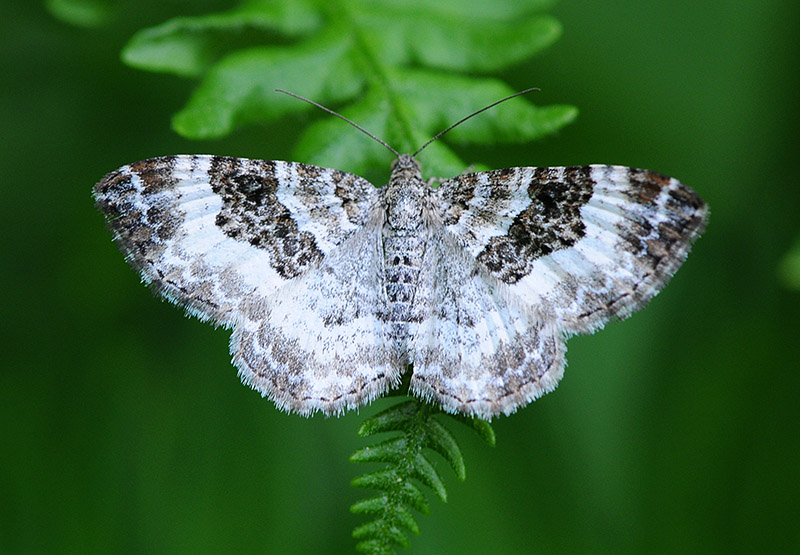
column 406, row 456
column 402, row 70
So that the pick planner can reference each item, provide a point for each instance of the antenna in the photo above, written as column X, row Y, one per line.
column 462, row 120
column 340, row 116
column 393, row 151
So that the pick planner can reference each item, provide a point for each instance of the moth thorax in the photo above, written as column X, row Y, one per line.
column 404, row 200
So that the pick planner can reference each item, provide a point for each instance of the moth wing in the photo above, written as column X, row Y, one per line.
column 208, row 232
column 578, row 244
column 477, row 350
column 320, row 343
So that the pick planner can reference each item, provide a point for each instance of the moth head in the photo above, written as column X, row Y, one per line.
column 405, row 162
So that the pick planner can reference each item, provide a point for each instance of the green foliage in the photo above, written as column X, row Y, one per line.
column 406, row 461
column 398, row 68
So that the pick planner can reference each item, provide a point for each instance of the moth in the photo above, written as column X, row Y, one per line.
column 335, row 288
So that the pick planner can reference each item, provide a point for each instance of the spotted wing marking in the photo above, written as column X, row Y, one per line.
column 577, row 244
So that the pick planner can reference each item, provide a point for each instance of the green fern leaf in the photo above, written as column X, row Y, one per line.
column 393, row 534
column 441, row 441
column 424, row 471
column 394, row 418
column 406, row 520
column 411, row 495
column 380, row 480
column 371, row 506
column 391, row 450
column 374, row 547
column 358, row 57
column 189, row 46
column 481, row 427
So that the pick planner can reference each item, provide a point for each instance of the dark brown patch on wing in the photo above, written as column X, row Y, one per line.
column 647, row 185
column 141, row 218
column 681, row 216
column 251, row 212
column 551, row 222
column 459, row 197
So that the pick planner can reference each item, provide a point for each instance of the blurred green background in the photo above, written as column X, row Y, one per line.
column 123, row 426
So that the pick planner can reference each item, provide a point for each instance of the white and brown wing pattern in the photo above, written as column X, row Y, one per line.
column 333, row 287
column 208, row 231
column 578, row 245
column 232, row 240
column 478, row 350
column 531, row 256
column 322, row 342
